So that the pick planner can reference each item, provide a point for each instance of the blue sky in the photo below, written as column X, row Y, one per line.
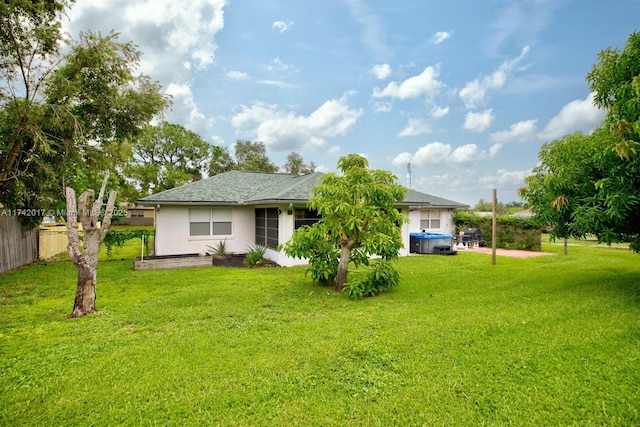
column 465, row 91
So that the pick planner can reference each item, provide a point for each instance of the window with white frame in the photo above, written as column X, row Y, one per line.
column 210, row 221
column 430, row 219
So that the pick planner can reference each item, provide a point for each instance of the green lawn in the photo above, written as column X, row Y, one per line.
column 529, row 342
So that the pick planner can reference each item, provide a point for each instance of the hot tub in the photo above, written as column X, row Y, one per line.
column 431, row 243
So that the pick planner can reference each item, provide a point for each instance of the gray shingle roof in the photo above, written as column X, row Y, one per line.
column 413, row 197
column 242, row 187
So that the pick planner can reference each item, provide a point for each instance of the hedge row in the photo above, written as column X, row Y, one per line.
column 512, row 232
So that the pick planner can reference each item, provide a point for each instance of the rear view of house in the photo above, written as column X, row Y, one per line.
column 247, row 208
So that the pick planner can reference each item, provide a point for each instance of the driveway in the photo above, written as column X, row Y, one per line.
column 513, row 253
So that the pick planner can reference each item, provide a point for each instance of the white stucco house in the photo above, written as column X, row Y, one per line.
column 247, row 208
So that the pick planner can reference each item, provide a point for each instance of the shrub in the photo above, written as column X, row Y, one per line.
column 255, row 256
column 512, row 233
column 381, row 277
column 220, row 249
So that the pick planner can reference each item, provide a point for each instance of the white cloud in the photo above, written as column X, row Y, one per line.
column 402, row 159
column 478, row 122
column 279, row 84
column 381, row 71
column 439, row 112
column 415, row 127
column 465, row 154
column 382, row 107
column 286, row 131
column 518, row 132
column 281, row 26
column 237, row 75
column 424, row 84
column 474, row 93
column 185, row 110
column 176, row 42
column 439, row 37
column 577, row 115
column 434, row 153
column 431, row 154
column 495, row 149
column 505, row 178
column 438, row 153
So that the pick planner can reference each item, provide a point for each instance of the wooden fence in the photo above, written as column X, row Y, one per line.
column 17, row 247
column 53, row 241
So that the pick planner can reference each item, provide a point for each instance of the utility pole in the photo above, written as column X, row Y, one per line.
column 409, row 171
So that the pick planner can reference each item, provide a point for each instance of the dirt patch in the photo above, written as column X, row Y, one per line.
column 512, row 253
column 237, row 261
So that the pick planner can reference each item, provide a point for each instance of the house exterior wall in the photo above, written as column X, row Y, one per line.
column 172, row 231
column 446, row 222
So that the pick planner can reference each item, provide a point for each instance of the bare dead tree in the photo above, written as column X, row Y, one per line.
column 86, row 261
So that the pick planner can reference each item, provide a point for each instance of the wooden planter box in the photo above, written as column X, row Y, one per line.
column 164, row 262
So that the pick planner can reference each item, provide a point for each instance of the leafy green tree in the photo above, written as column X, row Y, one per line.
column 104, row 103
column 252, row 156
column 589, row 184
column 358, row 220
column 167, row 156
column 221, row 161
column 615, row 80
column 30, row 38
column 295, row 165
column 561, row 182
column 582, row 186
column 486, row 206
column 63, row 119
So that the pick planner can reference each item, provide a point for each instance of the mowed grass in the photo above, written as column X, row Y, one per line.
column 543, row 341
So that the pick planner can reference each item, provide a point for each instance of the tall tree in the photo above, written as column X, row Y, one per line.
column 358, row 220
column 105, row 103
column 615, row 80
column 30, row 38
column 593, row 182
column 63, row 116
column 221, row 161
column 167, row 156
column 561, row 181
column 295, row 165
column 252, row 156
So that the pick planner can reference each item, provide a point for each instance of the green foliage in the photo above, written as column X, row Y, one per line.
column 295, row 165
column 61, row 116
column 381, row 277
column 358, row 220
column 315, row 245
column 502, row 208
column 252, row 156
column 584, row 187
column 118, row 238
column 221, row 161
column 588, row 184
column 255, row 256
column 513, row 232
column 167, row 156
column 220, row 249
column 615, row 81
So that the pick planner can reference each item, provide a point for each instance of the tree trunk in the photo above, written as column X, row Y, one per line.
column 85, row 301
column 343, row 267
column 87, row 261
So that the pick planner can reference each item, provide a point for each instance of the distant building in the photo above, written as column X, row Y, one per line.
column 137, row 214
